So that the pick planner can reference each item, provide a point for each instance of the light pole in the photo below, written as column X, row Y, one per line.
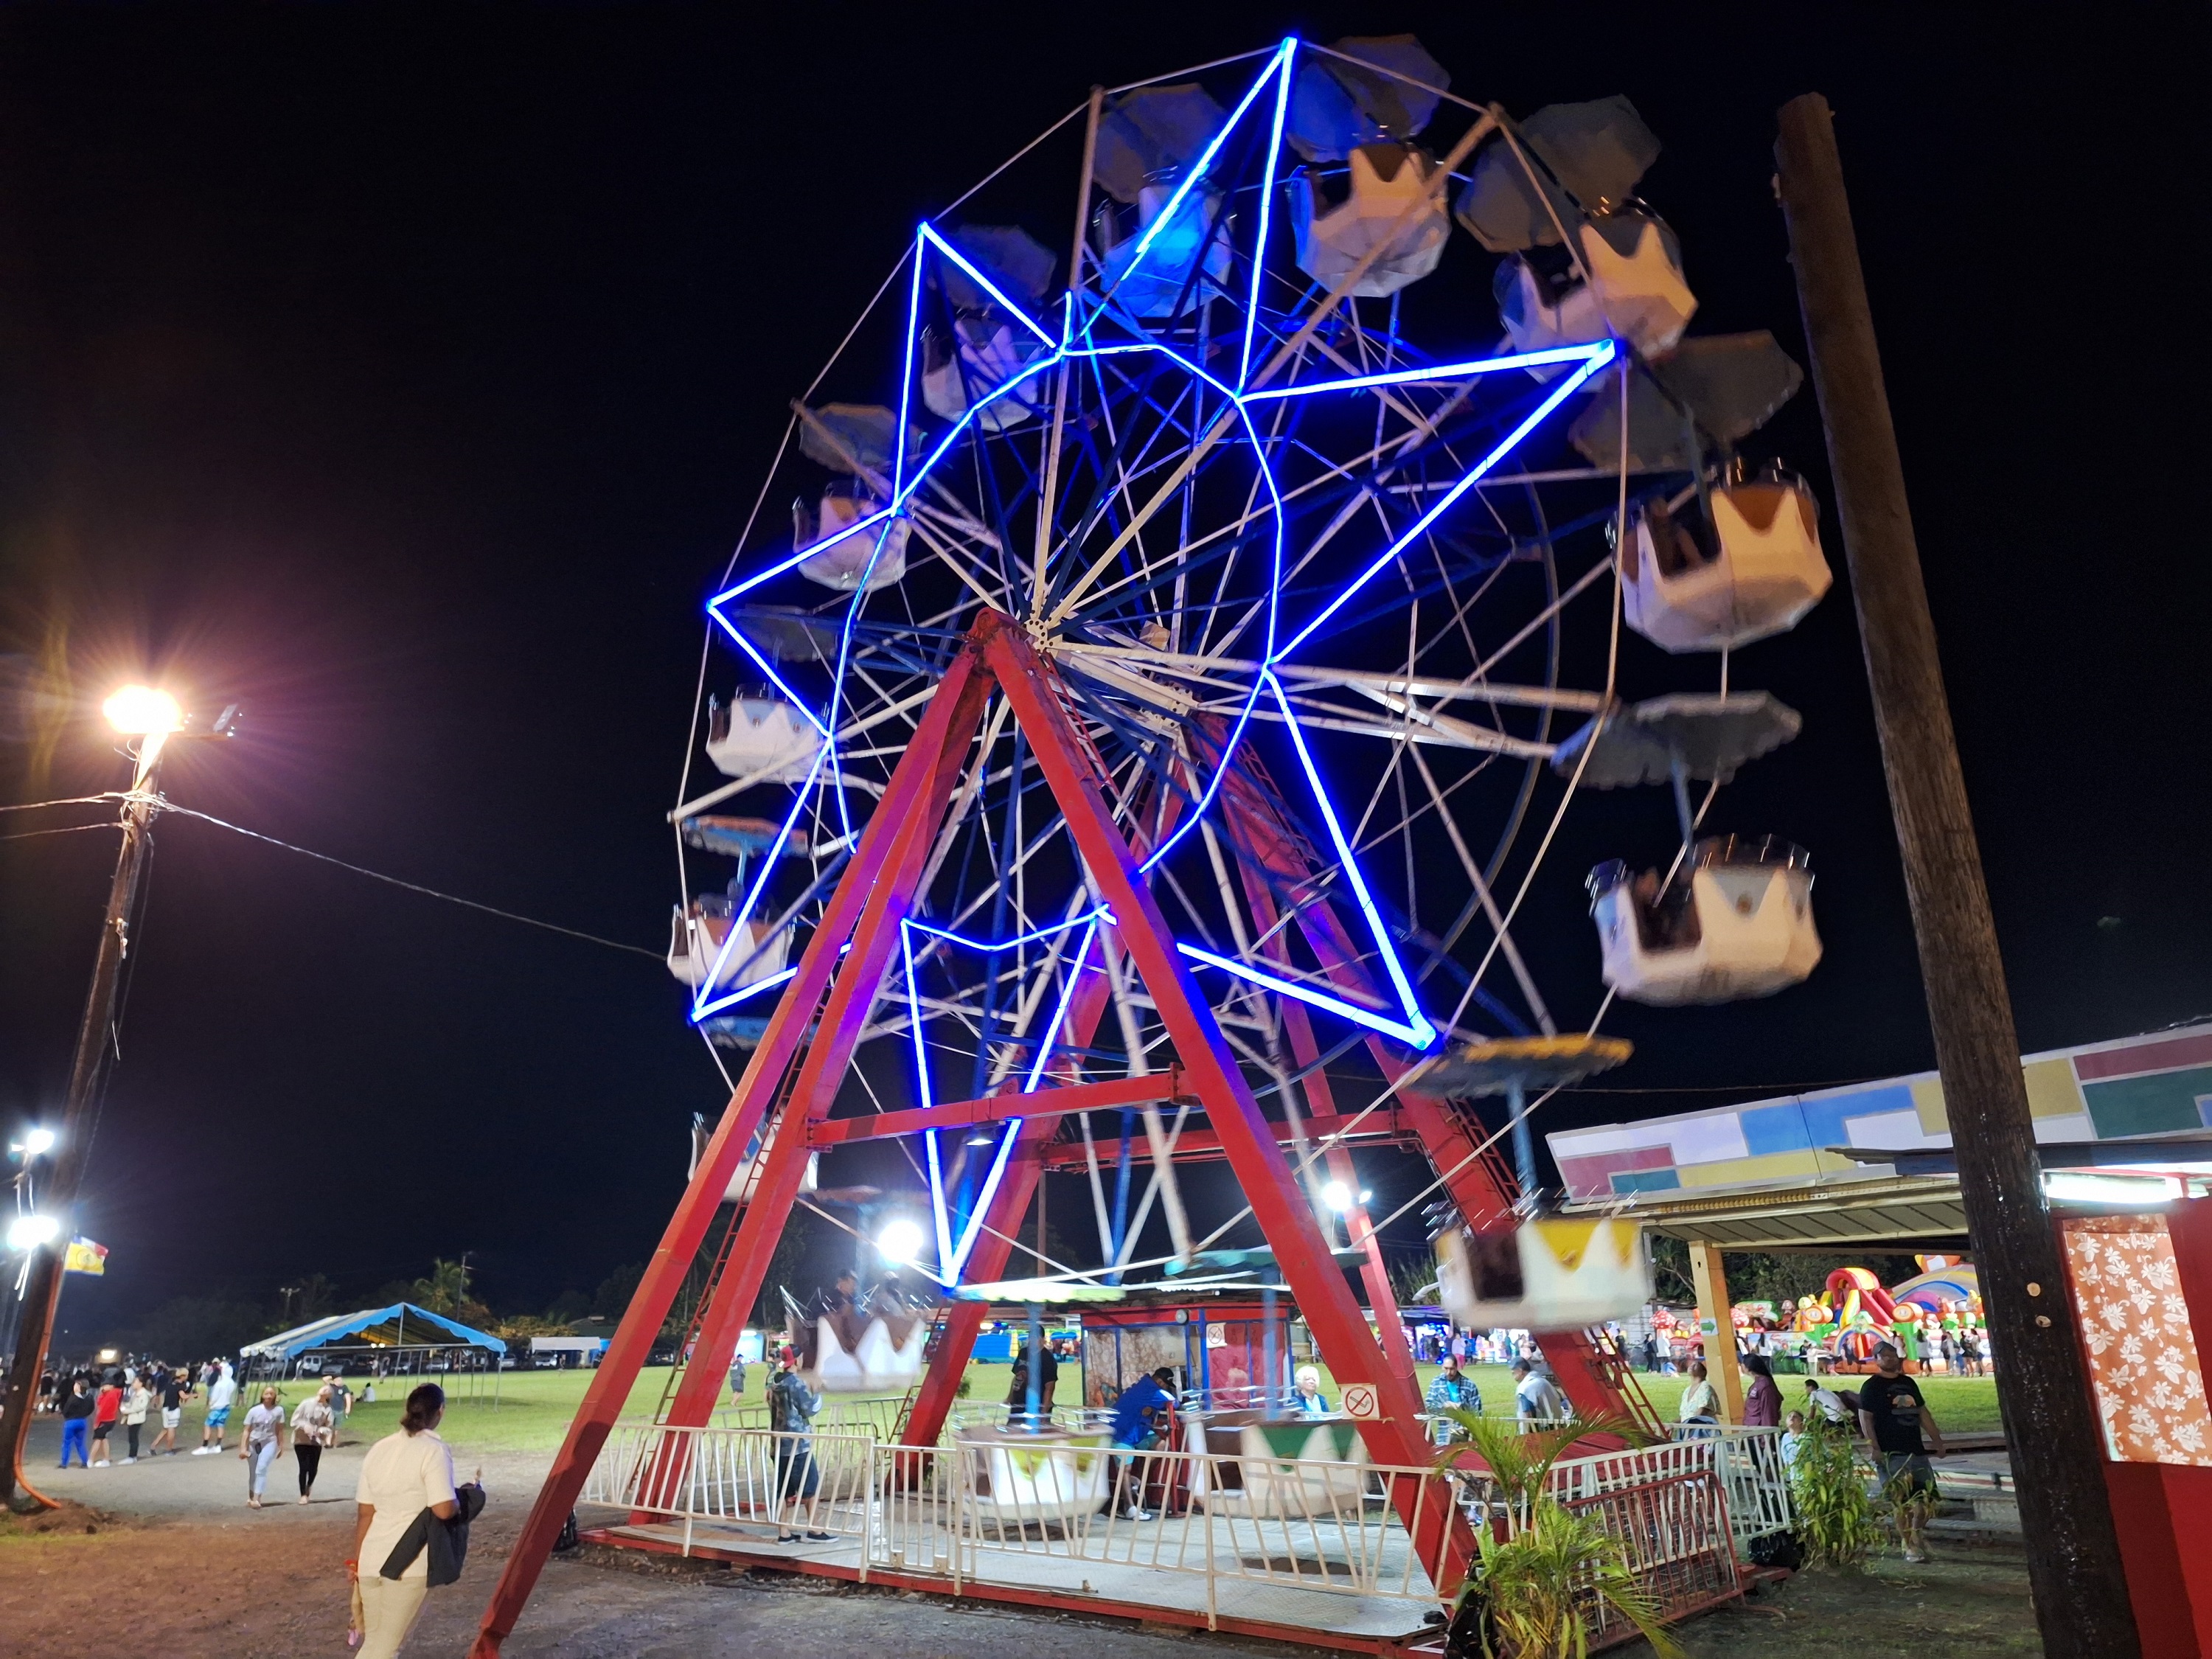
column 153, row 717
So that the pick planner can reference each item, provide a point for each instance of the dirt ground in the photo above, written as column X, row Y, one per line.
column 167, row 1559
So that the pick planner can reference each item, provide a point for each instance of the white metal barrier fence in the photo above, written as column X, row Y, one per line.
column 1053, row 1512
column 751, row 1479
column 1750, row 1467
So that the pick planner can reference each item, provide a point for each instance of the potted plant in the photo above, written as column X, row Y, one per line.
column 1547, row 1575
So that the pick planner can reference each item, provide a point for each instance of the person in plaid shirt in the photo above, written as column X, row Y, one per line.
column 1451, row 1390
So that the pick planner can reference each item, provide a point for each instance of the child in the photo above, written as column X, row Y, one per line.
column 1793, row 1443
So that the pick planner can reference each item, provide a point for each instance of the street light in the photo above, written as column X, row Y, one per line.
column 36, row 1143
column 142, row 711
column 27, row 1232
column 1337, row 1196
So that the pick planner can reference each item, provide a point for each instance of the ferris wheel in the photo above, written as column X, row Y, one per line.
column 1299, row 517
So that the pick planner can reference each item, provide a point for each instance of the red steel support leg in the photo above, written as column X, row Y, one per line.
column 938, row 742
column 1442, row 1540
column 1297, row 1026
column 875, row 941
column 956, row 1342
column 1589, row 1382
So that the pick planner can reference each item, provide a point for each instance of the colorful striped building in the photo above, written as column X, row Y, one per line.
column 2102, row 1092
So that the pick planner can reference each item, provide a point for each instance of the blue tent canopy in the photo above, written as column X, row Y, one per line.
column 402, row 1325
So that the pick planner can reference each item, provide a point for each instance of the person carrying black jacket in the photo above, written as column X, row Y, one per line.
column 447, row 1538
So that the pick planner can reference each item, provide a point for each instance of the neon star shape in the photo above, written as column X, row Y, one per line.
column 1075, row 341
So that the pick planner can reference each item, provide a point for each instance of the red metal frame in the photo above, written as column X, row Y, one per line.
column 1285, row 1218
column 1381, row 1128
column 817, row 1022
column 1161, row 1087
column 1596, row 1383
column 1298, row 1027
column 891, row 845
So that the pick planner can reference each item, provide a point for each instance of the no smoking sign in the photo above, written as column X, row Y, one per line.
column 1360, row 1402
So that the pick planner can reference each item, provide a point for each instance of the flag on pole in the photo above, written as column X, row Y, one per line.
column 85, row 1257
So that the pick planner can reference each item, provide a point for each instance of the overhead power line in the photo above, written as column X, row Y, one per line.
column 413, row 886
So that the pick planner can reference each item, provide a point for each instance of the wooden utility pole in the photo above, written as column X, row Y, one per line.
column 2051, row 1433
column 42, row 1291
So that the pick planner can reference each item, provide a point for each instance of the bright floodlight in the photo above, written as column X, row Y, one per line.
column 39, row 1142
column 27, row 1231
column 1337, row 1196
column 899, row 1241
column 142, row 711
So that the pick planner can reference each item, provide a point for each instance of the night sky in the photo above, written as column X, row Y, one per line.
column 406, row 375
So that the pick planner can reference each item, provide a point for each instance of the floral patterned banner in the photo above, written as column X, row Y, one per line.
column 2143, row 1365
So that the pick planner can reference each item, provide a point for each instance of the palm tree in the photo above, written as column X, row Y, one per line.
column 443, row 1292
column 1538, row 1590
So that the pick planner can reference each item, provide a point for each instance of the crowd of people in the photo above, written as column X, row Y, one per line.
column 1888, row 1410
column 97, row 1404
column 411, row 1519
column 1961, row 1352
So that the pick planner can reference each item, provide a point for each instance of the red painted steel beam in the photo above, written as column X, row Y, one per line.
column 1588, row 1381
column 883, row 842
column 1033, row 1156
column 997, row 1109
column 829, row 1056
column 1285, row 1217
column 1298, row 1027
column 1381, row 1128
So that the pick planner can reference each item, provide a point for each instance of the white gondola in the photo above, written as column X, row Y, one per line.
column 842, row 561
column 1754, row 571
column 739, row 1190
column 1386, row 179
column 1737, row 924
column 1292, row 1468
column 1550, row 1274
column 863, row 1353
column 696, row 941
column 990, row 354
column 1162, row 285
column 1053, row 1475
column 1638, row 295
column 768, row 739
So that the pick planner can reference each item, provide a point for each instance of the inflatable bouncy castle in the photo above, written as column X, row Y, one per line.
column 1948, row 1289
column 1854, row 1291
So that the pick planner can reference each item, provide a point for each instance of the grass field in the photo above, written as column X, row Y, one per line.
column 535, row 1407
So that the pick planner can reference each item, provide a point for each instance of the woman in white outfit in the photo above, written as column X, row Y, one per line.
column 404, row 1475
column 265, row 1445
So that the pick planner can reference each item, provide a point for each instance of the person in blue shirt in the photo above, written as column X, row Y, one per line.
column 1139, row 1415
column 1133, row 1412
column 792, row 1407
column 1309, row 1400
column 1793, row 1445
column 1452, row 1389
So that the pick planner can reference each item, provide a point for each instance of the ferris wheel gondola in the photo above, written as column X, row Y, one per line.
column 1733, row 917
